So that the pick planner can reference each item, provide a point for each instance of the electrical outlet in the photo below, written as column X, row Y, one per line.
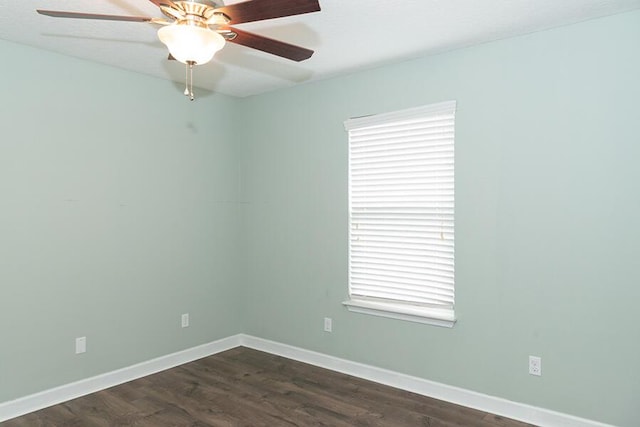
column 535, row 365
column 185, row 320
column 328, row 324
column 81, row 345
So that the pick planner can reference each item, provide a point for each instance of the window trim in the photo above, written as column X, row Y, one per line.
column 420, row 313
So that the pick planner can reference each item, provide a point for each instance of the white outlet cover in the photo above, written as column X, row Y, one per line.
column 535, row 365
column 81, row 345
column 328, row 324
column 185, row 320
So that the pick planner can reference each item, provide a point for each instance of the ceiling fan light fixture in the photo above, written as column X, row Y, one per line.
column 191, row 43
column 197, row 29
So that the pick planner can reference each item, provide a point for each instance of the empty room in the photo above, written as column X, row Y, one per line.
column 320, row 212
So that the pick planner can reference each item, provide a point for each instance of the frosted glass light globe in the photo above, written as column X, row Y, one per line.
column 191, row 43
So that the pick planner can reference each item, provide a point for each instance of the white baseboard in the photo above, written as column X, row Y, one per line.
column 54, row 396
column 519, row 411
column 495, row 405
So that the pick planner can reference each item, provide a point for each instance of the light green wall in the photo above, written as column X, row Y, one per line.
column 117, row 215
column 547, row 152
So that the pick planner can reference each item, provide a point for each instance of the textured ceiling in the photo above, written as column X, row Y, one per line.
column 347, row 35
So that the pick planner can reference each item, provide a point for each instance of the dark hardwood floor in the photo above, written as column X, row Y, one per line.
column 244, row 387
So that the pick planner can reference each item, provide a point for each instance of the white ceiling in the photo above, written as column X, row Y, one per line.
column 347, row 35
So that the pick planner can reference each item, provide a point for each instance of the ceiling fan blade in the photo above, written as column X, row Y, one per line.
column 257, row 10
column 163, row 3
column 61, row 14
column 265, row 44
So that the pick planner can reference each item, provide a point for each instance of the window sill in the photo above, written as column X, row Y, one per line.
column 429, row 316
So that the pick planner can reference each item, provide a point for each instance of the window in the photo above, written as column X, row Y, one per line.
column 401, row 214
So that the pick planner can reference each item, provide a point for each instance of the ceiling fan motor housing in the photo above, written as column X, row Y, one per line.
column 192, row 9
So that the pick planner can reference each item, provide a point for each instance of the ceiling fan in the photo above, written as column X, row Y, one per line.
column 196, row 29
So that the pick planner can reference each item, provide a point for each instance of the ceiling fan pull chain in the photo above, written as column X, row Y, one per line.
column 186, row 80
column 188, row 77
column 191, row 81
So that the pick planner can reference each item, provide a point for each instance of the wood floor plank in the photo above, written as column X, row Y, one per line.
column 243, row 387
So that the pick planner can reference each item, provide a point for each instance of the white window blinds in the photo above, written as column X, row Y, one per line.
column 401, row 211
